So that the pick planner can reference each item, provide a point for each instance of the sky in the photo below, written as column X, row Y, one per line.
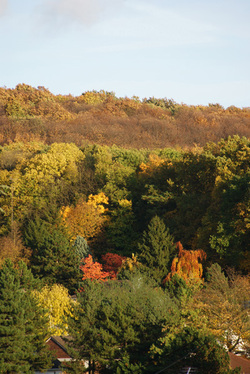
column 196, row 52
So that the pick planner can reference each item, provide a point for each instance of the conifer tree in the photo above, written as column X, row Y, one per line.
column 53, row 257
column 22, row 323
column 114, row 323
column 81, row 248
column 157, row 248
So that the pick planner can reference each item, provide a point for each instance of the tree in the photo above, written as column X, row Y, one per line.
column 58, row 305
column 23, row 325
column 3, row 191
column 46, row 174
column 115, row 322
column 178, row 188
column 130, row 266
column 157, row 248
column 12, row 247
column 112, row 262
column 121, row 232
column 93, row 270
column 187, row 265
column 53, row 258
column 224, row 232
column 224, row 301
column 87, row 218
column 81, row 248
column 192, row 348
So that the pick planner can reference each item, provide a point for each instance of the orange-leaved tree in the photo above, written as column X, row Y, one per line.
column 187, row 265
column 93, row 270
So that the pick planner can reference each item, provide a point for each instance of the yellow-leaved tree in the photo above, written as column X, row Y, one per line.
column 129, row 266
column 87, row 218
column 58, row 304
column 225, row 302
column 38, row 173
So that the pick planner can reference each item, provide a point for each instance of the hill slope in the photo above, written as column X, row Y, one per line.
column 28, row 113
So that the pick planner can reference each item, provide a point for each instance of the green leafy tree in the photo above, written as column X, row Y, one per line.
column 178, row 188
column 157, row 248
column 23, row 325
column 121, row 233
column 192, row 348
column 224, row 232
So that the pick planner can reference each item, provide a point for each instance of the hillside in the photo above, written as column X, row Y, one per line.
column 28, row 114
column 141, row 210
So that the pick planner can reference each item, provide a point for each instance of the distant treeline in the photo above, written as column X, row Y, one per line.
column 28, row 114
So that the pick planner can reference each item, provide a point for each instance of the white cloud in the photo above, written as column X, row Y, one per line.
column 85, row 12
column 3, row 6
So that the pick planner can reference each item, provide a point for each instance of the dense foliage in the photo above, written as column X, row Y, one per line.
column 110, row 224
column 23, row 324
column 28, row 114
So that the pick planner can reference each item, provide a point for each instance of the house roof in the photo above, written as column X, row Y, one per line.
column 236, row 361
column 57, row 345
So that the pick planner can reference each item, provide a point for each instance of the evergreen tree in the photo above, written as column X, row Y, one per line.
column 114, row 323
column 53, row 258
column 81, row 248
column 22, row 323
column 157, row 248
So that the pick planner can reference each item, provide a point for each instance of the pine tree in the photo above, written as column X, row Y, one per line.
column 114, row 323
column 22, row 323
column 157, row 248
column 53, row 257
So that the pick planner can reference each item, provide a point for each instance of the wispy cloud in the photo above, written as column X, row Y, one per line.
column 84, row 12
column 3, row 6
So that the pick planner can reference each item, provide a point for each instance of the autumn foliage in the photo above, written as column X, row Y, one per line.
column 28, row 114
column 112, row 263
column 58, row 305
column 86, row 218
column 93, row 270
column 187, row 265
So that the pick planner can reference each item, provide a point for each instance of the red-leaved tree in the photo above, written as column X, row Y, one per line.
column 112, row 263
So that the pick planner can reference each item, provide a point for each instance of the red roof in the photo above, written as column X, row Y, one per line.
column 237, row 361
column 56, row 344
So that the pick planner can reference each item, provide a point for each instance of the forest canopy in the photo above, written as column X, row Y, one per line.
column 141, row 208
column 28, row 113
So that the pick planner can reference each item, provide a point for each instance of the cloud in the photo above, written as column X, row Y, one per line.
column 3, row 6
column 85, row 12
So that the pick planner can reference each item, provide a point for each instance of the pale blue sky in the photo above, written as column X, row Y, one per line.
column 194, row 51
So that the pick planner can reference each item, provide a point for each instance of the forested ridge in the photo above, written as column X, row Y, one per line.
column 142, row 209
column 28, row 114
